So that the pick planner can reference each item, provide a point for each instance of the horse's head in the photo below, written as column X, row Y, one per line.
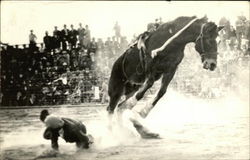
column 206, row 45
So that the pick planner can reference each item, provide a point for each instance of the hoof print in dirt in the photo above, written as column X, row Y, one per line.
column 47, row 154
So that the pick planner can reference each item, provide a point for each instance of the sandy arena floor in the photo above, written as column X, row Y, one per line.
column 190, row 128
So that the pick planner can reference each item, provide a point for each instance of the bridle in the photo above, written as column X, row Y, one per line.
column 201, row 37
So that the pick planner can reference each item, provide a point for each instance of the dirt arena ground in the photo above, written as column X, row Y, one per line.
column 190, row 129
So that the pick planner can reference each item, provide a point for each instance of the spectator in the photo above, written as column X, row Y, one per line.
column 240, row 29
column 248, row 35
column 87, row 37
column 124, row 43
column 115, row 46
column 92, row 46
column 56, row 38
column 65, row 37
column 157, row 24
column 81, row 34
column 32, row 39
column 232, row 38
column 160, row 21
column 151, row 27
column 47, row 40
column 73, row 36
column 104, row 91
column 117, row 30
column 41, row 49
column 226, row 23
column 100, row 44
column 84, row 61
column 74, row 59
column 108, row 43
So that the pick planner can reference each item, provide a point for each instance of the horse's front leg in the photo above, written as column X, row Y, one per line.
column 167, row 77
column 131, row 102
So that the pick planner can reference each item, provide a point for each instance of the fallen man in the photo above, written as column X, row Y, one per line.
column 72, row 131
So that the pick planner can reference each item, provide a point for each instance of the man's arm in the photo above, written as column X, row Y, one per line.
column 52, row 134
column 54, row 140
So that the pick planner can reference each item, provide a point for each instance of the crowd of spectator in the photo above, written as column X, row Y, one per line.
column 54, row 71
column 70, row 66
column 235, row 37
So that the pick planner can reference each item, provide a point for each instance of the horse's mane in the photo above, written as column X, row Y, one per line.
column 172, row 27
column 176, row 23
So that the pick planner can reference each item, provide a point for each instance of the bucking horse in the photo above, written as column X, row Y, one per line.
column 157, row 55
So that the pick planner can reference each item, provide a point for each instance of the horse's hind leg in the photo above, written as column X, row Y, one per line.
column 115, row 91
column 115, row 94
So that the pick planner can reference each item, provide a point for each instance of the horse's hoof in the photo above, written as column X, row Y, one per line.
column 145, row 134
column 143, row 114
column 110, row 112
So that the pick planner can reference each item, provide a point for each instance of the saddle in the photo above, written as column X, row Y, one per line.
column 140, row 45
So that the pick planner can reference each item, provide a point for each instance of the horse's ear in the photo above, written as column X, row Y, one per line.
column 220, row 28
